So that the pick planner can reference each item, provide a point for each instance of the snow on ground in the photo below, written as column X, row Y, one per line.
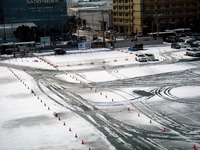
column 26, row 123
column 185, row 92
column 30, row 62
column 131, row 72
column 80, row 60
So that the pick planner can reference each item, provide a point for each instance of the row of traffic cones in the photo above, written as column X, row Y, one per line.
column 55, row 114
column 48, row 62
column 95, row 90
column 70, row 129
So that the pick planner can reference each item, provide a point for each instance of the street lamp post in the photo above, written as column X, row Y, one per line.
column 103, row 28
column 157, row 15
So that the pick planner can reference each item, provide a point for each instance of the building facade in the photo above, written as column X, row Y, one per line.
column 41, row 12
column 132, row 16
column 1, row 12
column 49, row 16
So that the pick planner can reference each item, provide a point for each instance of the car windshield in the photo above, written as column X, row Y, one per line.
column 141, row 55
column 149, row 54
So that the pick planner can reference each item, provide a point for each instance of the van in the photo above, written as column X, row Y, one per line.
column 193, row 51
column 150, row 56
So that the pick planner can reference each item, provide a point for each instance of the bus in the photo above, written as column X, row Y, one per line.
column 172, row 32
column 162, row 34
column 17, row 47
column 166, row 36
column 180, row 31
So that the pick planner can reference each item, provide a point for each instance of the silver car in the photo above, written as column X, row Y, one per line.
column 140, row 57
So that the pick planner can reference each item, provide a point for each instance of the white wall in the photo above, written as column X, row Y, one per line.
column 93, row 18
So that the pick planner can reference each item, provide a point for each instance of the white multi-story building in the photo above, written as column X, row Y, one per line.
column 93, row 16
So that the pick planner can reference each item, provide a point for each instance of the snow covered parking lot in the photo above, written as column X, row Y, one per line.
column 100, row 99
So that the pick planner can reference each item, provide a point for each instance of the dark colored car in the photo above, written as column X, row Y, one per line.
column 59, row 51
column 140, row 46
column 136, row 47
column 175, row 45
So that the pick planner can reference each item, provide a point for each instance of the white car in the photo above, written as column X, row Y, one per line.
column 150, row 56
column 140, row 57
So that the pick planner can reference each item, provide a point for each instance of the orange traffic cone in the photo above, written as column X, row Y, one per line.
column 55, row 114
column 195, row 147
column 82, row 142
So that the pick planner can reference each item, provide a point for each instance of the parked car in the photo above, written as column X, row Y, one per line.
column 136, row 47
column 59, row 51
column 184, row 45
column 196, row 44
column 175, row 45
column 139, row 45
column 193, row 51
column 169, row 39
column 133, row 48
column 150, row 56
column 82, row 38
column 140, row 57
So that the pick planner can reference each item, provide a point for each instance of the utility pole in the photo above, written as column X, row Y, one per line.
column 103, row 28
column 157, row 15
column 78, row 22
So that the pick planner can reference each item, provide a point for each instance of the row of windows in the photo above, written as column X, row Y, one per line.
column 122, row 1
column 122, row 14
column 123, row 21
column 156, row 0
column 149, row 7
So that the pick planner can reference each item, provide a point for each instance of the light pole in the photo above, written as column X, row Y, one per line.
column 157, row 15
column 103, row 27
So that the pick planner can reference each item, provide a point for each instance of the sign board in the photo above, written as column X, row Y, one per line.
column 85, row 45
column 45, row 40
